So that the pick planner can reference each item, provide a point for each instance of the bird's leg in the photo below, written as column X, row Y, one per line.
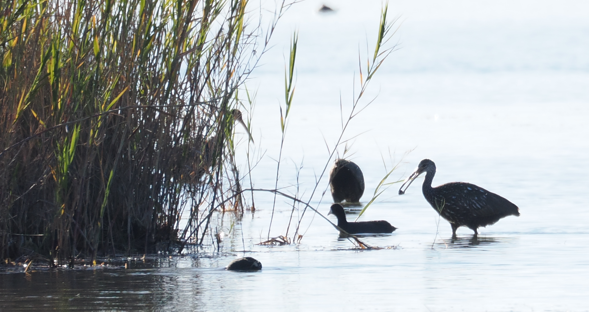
column 454, row 228
column 474, row 241
column 476, row 233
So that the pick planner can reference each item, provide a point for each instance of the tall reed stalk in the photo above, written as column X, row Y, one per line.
column 116, row 119
column 288, row 100
column 373, row 63
column 367, row 72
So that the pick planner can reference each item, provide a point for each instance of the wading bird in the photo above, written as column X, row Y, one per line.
column 359, row 227
column 461, row 204
column 346, row 181
column 203, row 154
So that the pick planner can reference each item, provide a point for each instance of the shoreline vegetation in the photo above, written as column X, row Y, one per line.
column 117, row 120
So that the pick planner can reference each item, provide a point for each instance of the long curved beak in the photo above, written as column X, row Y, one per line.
column 409, row 180
column 238, row 119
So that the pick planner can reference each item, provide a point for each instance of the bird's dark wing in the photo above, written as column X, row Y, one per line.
column 379, row 226
column 480, row 202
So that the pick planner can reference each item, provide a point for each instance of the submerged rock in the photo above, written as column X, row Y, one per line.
column 244, row 264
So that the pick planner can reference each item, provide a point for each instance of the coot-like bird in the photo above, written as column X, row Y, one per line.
column 462, row 204
column 359, row 227
column 346, row 181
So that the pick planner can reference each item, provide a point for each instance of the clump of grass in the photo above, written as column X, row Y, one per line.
column 117, row 119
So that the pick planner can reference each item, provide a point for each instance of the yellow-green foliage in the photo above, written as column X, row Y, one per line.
column 114, row 119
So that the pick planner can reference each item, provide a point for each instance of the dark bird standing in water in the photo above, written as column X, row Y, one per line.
column 346, row 181
column 359, row 227
column 462, row 204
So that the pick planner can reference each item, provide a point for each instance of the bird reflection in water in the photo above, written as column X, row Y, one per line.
column 469, row 242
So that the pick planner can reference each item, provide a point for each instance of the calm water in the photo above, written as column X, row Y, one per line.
column 495, row 92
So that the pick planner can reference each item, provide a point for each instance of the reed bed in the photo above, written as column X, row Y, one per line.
column 116, row 119
column 117, row 123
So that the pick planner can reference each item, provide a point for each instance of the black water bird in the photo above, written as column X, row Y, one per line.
column 460, row 203
column 359, row 227
column 245, row 264
column 346, row 181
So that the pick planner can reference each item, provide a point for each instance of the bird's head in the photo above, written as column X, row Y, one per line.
column 425, row 165
column 237, row 117
column 337, row 210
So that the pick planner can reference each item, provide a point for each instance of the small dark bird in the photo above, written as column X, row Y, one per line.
column 460, row 203
column 346, row 181
column 245, row 264
column 359, row 227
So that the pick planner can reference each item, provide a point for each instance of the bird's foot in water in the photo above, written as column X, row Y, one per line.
column 474, row 240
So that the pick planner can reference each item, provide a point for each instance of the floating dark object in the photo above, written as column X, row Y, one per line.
column 346, row 181
column 359, row 227
column 462, row 204
column 325, row 9
column 245, row 264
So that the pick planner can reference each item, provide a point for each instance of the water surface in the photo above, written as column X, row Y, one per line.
column 496, row 93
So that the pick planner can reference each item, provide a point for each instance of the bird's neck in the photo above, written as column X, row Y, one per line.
column 427, row 185
column 341, row 221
